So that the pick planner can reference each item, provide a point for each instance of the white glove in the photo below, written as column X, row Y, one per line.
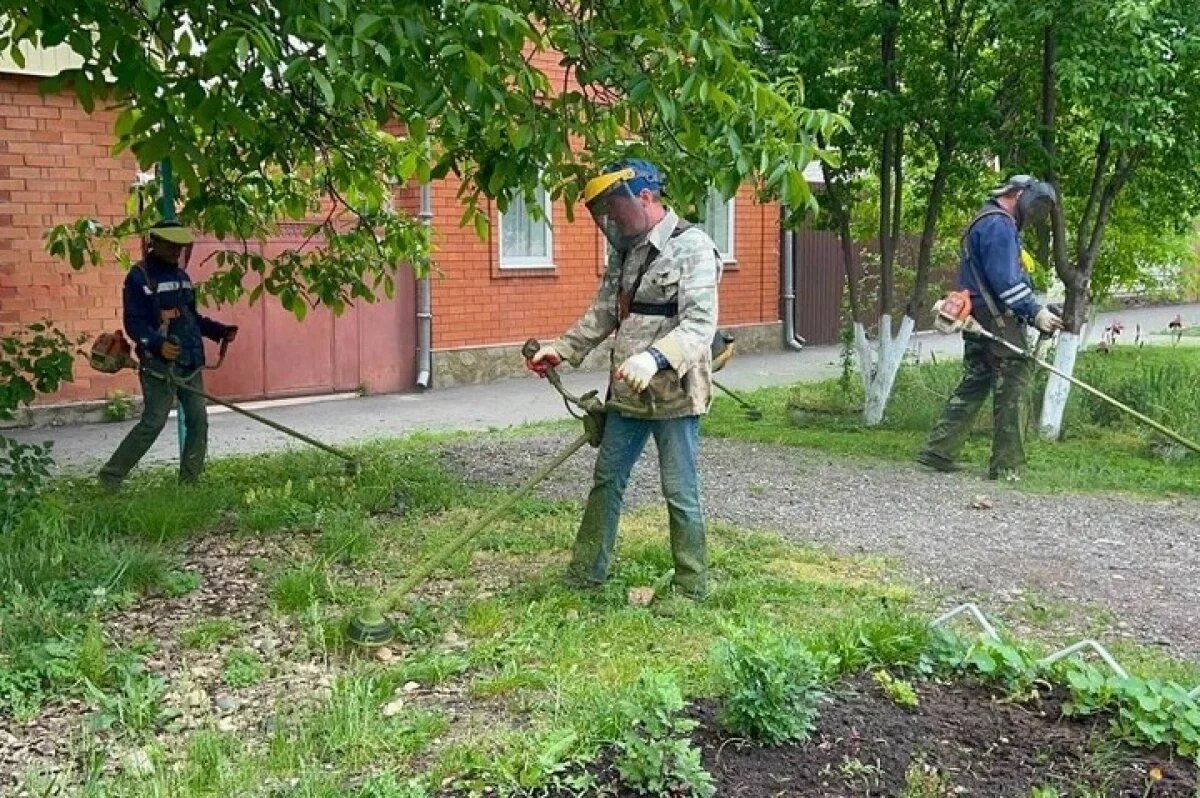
column 1047, row 322
column 637, row 371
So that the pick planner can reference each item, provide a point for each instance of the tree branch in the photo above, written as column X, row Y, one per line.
column 1082, row 233
column 1123, row 171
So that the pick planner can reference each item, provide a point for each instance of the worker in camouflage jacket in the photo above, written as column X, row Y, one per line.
column 658, row 301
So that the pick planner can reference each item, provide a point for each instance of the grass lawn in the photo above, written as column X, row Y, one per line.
column 191, row 642
column 1102, row 449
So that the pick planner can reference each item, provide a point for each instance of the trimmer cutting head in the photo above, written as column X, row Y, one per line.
column 371, row 629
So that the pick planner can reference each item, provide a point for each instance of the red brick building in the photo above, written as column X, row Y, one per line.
column 487, row 296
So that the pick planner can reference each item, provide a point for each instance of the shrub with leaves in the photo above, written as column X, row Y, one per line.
column 655, row 755
column 33, row 359
column 769, row 686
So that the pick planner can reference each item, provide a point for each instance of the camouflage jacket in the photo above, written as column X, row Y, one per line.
column 686, row 271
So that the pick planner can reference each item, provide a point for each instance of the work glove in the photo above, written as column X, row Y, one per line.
column 543, row 360
column 638, row 370
column 169, row 350
column 1047, row 322
column 231, row 332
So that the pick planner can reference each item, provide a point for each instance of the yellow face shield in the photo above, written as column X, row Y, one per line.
column 617, row 211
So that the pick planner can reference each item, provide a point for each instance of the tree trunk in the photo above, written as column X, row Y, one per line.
column 937, row 191
column 891, row 173
column 1058, row 390
column 1076, row 277
column 879, row 371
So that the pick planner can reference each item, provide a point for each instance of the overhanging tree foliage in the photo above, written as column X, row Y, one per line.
column 272, row 110
column 1109, row 111
column 917, row 81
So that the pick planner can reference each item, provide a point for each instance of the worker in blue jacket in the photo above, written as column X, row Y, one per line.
column 992, row 268
column 167, row 331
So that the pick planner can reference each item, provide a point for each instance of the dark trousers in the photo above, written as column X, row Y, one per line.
column 985, row 372
column 157, row 395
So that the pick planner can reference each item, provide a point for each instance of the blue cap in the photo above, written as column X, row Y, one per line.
column 645, row 174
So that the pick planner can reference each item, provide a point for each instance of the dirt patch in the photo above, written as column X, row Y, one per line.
column 959, row 741
column 233, row 586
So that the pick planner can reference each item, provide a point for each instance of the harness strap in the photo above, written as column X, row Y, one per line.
column 969, row 255
column 625, row 303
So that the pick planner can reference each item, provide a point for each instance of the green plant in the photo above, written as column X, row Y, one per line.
column 769, row 686
column 654, row 755
column 346, row 535
column 136, row 706
column 24, row 470
column 91, row 657
column 178, row 583
column 272, row 508
column 1045, row 792
column 1145, row 712
column 389, row 785
column 208, row 633
column 922, row 780
column 855, row 773
column 899, row 691
column 118, row 406
column 243, row 668
column 299, row 587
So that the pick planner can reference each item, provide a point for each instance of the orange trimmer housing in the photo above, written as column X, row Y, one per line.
column 956, row 306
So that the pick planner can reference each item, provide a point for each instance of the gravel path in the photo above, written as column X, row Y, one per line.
column 1139, row 559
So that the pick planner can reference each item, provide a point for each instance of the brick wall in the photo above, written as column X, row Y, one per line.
column 55, row 167
column 477, row 302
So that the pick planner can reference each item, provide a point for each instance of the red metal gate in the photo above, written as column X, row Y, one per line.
column 370, row 347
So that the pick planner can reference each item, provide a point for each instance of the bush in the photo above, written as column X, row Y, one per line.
column 655, row 756
column 34, row 359
column 769, row 687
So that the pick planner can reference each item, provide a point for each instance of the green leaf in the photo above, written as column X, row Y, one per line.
column 325, row 86
column 520, row 135
column 153, row 149
column 482, row 227
column 367, row 24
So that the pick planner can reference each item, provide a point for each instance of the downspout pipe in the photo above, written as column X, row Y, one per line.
column 790, row 339
column 424, row 301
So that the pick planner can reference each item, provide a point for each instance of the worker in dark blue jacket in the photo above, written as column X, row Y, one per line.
column 168, row 332
column 992, row 268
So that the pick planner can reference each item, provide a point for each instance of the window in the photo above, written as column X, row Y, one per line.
column 718, row 223
column 526, row 242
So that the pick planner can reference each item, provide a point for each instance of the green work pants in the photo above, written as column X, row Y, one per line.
column 157, row 395
column 984, row 372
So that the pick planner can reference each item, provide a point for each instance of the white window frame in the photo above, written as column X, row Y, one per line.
column 729, row 256
column 529, row 261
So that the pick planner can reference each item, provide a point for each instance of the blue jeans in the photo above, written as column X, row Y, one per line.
column 678, row 442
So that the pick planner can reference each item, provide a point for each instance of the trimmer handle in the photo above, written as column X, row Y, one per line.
column 531, row 348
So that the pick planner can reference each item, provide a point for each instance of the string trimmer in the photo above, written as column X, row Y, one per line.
column 722, row 352
column 954, row 314
column 372, row 627
column 111, row 353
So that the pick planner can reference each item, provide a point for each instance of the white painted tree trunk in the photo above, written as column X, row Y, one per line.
column 1058, row 390
column 879, row 367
